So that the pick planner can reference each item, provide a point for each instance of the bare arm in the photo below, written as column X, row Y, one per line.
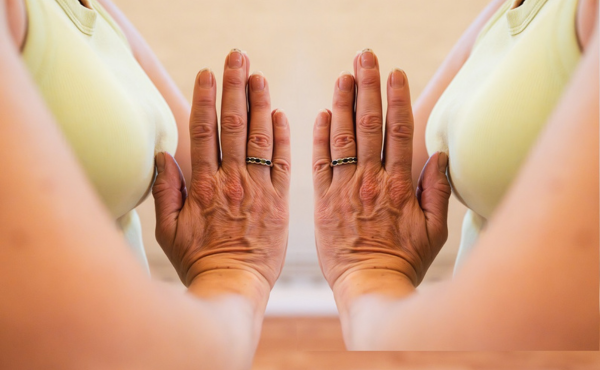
column 532, row 283
column 71, row 293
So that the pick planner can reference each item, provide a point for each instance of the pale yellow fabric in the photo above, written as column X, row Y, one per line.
column 111, row 114
column 491, row 114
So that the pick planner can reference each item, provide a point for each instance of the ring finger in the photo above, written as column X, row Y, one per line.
column 260, row 138
column 342, row 140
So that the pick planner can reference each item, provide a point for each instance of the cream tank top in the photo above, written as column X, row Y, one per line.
column 491, row 114
column 111, row 114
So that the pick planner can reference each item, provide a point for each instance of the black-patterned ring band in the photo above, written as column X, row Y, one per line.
column 261, row 161
column 343, row 161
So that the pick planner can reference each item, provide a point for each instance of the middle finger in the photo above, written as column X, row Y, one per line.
column 369, row 114
column 234, row 110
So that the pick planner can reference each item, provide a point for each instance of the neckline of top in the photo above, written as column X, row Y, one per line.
column 82, row 13
column 521, row 13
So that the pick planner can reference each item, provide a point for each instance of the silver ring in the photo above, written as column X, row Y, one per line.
column 260, row 161
column 343, row 161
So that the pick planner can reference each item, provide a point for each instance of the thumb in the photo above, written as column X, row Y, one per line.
column 433, row 193
column 169, row 193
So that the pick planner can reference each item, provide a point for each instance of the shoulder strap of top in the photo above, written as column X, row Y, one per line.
column 499, row 13
column 110, row 20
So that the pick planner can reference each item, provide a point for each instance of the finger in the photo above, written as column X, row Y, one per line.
column 369, row 115
column 260, row 138
column 282, row 154
column 342, row 141
column 169, row 194
column 204, row 139
column 433, row 193
column 322, row 171
column 399, row 126
column 234, row 110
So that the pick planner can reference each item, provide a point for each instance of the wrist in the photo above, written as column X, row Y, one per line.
column 216, row 283
column 364, row 298
column 386, row 283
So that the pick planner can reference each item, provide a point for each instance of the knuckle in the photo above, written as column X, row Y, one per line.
column 343, row 103
column 234, row 81
column 159, row 188
column 204, row 100
column 204, row 191
column 282, row 139
column 370, row 81
column 370, row 123
column 282, row 165
column 369, row 190
column 343, row 141
column 260, row 140
column 201, row 130
column 320, row 140
column 234, row 191
column 261, row 103
column 320, row 165
column 398, row 100
column 233, row 122
column 401, row 131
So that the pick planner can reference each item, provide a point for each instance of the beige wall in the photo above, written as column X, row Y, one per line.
column 301, row 46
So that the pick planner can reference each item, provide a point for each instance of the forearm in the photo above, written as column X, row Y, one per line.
column 71, row 291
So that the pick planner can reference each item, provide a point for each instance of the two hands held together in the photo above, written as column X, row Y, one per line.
column 226, row 232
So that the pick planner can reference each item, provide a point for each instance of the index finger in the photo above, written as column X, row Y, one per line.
column 204, row 140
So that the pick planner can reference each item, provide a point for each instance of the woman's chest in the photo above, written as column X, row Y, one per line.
column 111, row 114
column 493, row 111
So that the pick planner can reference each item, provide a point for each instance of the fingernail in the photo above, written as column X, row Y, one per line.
column 205, row 79
column 346, row 82
column 235, row 58
column 367, row 59
column 279, row 116
column 160, row 162
column 322, row 118
column 398, row 79
column 442, row 162
column 257, row 81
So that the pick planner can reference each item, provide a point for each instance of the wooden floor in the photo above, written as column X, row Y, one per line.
column 316, row 344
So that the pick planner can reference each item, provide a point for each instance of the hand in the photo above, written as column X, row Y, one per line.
column 367, row 215
column 235, row 217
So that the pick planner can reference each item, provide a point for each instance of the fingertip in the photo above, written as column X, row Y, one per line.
column 397, row 78
column 160, row 162
column 345, row 82
column 205, row 80
column 442, row 161
column 279, row 118
column 323, row 119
